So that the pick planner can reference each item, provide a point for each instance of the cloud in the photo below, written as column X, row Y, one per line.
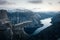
column 35, row 1
column 50, row 3
column 4, row 2
column 59, row 2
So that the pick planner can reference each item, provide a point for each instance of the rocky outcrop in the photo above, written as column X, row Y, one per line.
column 3, row 16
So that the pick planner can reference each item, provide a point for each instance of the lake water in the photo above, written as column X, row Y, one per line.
column 46, row 23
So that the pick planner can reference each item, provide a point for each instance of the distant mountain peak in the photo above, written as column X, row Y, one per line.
column 19, row 10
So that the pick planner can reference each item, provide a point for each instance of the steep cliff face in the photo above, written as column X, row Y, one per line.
column 56, row 19
column 3, row 16
column 3, row 19
column 19, row 17
column 6, row 29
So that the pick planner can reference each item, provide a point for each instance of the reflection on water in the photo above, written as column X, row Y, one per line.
column 46, row 23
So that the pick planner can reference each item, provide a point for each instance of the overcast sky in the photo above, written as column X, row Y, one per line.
column 36, row 5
